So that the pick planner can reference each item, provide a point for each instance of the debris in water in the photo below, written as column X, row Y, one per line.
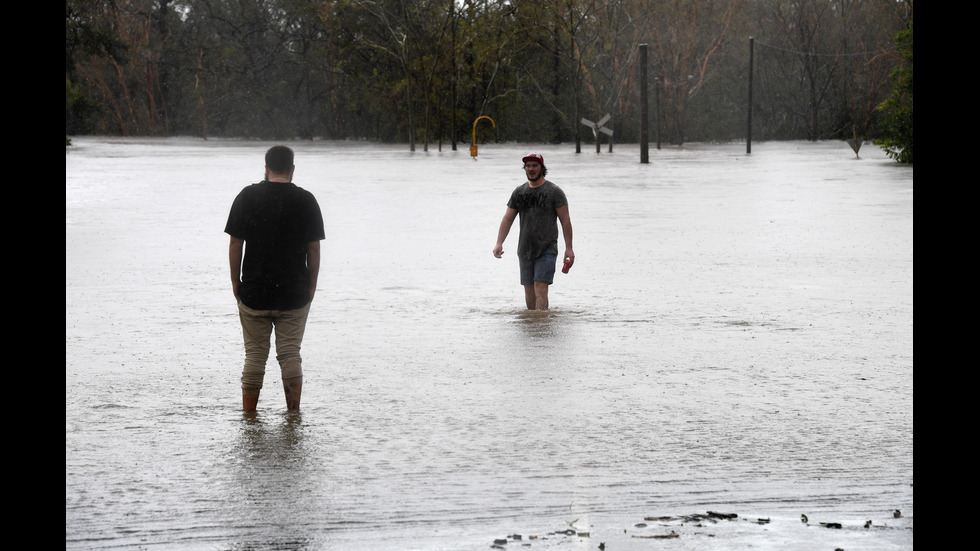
column 830, row 524
column 672, row 534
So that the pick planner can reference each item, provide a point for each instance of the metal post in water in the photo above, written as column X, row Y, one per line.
column 748, row 132
column 644, row 108
column 659, row 114
column 473, row 149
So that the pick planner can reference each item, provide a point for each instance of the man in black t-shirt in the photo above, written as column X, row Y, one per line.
column 539, row 203
column 274, row 255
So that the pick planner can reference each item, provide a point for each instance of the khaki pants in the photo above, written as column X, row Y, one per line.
column 257, row 327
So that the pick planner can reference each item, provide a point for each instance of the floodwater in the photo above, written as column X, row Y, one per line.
column 735, row 336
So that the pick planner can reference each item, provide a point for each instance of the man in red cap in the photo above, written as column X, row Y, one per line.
column 540, row 203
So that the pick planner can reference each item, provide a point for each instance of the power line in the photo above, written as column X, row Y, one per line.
column 815, row 54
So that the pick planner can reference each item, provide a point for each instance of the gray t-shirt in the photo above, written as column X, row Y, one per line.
column 538, row 211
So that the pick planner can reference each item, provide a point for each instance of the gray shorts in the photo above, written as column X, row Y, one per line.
column 542, row 269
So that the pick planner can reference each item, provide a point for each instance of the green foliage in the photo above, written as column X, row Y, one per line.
column 72, row 95
column 87, row 36
column 424, row 70
column 897, row 109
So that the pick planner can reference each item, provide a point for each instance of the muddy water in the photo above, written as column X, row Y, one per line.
column 735, row 336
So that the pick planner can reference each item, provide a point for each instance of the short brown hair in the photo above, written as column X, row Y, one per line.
column 279, row 159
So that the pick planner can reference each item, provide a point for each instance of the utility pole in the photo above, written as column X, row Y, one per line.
column 644, row 108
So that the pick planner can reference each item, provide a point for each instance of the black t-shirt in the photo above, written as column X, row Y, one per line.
column 277, row 221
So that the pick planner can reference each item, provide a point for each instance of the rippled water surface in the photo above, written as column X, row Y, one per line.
column 735, row 336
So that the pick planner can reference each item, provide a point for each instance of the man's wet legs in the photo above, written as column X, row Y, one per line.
column 257, row 327
column 250, row 402
column 293, row 394
column 290, row 327
column 536, row 276
column 536, row 296
column 256, row 330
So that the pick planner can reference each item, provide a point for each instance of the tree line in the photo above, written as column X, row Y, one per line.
column 421, row 71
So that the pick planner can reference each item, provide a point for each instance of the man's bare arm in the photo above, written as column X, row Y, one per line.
column 313, row 263
column 566, row 230
column 505, row 225
column 235, row 250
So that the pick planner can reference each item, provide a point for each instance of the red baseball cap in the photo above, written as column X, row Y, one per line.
column 534, row 157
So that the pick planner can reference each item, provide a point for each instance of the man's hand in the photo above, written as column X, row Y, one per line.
column 498, row 251
column 570, row 255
